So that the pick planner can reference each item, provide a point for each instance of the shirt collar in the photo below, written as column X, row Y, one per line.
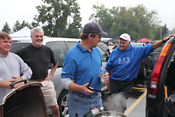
column 82, row 48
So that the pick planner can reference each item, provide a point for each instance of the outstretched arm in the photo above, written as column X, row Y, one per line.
column 6, row 84
column 159, row 43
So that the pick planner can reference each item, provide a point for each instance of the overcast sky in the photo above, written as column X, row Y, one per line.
column 12, row 10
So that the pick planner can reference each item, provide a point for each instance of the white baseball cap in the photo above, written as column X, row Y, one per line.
column 125, row 36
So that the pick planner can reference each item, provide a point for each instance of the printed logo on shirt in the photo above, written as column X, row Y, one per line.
column 124, row 60
column 63, row 72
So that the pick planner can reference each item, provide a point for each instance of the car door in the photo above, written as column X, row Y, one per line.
column 162, row 76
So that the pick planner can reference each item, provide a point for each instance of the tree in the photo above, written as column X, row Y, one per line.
column 145, row 21
column 34, row 24
column 6, row 28
column 24, row 24
column 158, row 34
column 54, row 16
column 165, row 31
column 121, row 18
column 73, row 30
column 103, row 17
column 136, row 21
column 172, row 31
column 19, row 26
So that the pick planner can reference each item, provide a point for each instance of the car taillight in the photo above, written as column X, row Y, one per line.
column 14, row 41
column 153, row 86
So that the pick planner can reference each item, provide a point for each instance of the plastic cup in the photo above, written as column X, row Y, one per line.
column 103, row 72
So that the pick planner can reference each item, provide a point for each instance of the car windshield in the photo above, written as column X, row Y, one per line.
column 18, row 46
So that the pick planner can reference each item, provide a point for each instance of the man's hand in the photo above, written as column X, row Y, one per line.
column 86, row 90
column 159, row 43
column 106, row 78
column 16, row 79
column 168, row 37
column 49, row 77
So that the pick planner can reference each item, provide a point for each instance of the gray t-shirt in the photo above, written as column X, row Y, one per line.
column 12, row 65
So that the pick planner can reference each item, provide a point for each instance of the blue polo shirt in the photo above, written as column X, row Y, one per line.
column 81, row 65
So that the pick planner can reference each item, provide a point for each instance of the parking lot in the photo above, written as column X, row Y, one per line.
column 136, row 103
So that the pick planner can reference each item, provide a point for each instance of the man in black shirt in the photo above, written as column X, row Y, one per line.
column 38, row 57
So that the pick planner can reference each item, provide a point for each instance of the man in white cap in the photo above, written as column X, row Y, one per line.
column 123, row 64
column 81, row 63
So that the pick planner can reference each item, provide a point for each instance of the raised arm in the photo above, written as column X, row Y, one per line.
column 159, row 43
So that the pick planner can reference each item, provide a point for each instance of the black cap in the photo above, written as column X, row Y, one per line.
column 93, row 27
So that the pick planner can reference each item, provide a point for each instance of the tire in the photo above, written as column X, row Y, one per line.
column 62, row 102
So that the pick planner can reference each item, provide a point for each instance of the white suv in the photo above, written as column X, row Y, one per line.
column 59, row 46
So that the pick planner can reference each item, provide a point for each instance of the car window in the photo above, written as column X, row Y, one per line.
column 59, row 48
column 18, row 46
column 155, row 55
column 71, row 44
column 104, row 46
column 170, row 79
column 104, row 55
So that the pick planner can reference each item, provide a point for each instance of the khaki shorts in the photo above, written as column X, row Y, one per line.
column 48, row 92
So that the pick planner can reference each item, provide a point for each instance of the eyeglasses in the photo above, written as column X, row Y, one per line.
column 93, row 89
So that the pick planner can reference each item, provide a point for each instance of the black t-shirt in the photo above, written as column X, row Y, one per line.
column 38, row 59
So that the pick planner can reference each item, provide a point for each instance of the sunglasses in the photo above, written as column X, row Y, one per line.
column 91, row 88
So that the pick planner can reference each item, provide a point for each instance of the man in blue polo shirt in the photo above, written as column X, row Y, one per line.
column 81, row 63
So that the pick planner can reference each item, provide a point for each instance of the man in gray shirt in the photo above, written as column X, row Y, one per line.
column 12, row 67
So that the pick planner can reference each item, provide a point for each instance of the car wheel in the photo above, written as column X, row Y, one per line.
column 62, row 102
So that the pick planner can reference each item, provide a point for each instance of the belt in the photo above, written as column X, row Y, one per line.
column 82, row 95
column 39, row 80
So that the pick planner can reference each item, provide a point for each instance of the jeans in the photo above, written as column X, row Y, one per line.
column 121, row 86
column 81, row 104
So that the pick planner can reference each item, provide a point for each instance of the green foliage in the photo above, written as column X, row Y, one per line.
column 54, row 16
column 6, row 28
column 172, row 31
column 34, row 24
column 61, row 18
column 19, row 26
column 103, row 17
column 158, row 34
column 165, row 31
column 136, row 21
column 73, row 30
